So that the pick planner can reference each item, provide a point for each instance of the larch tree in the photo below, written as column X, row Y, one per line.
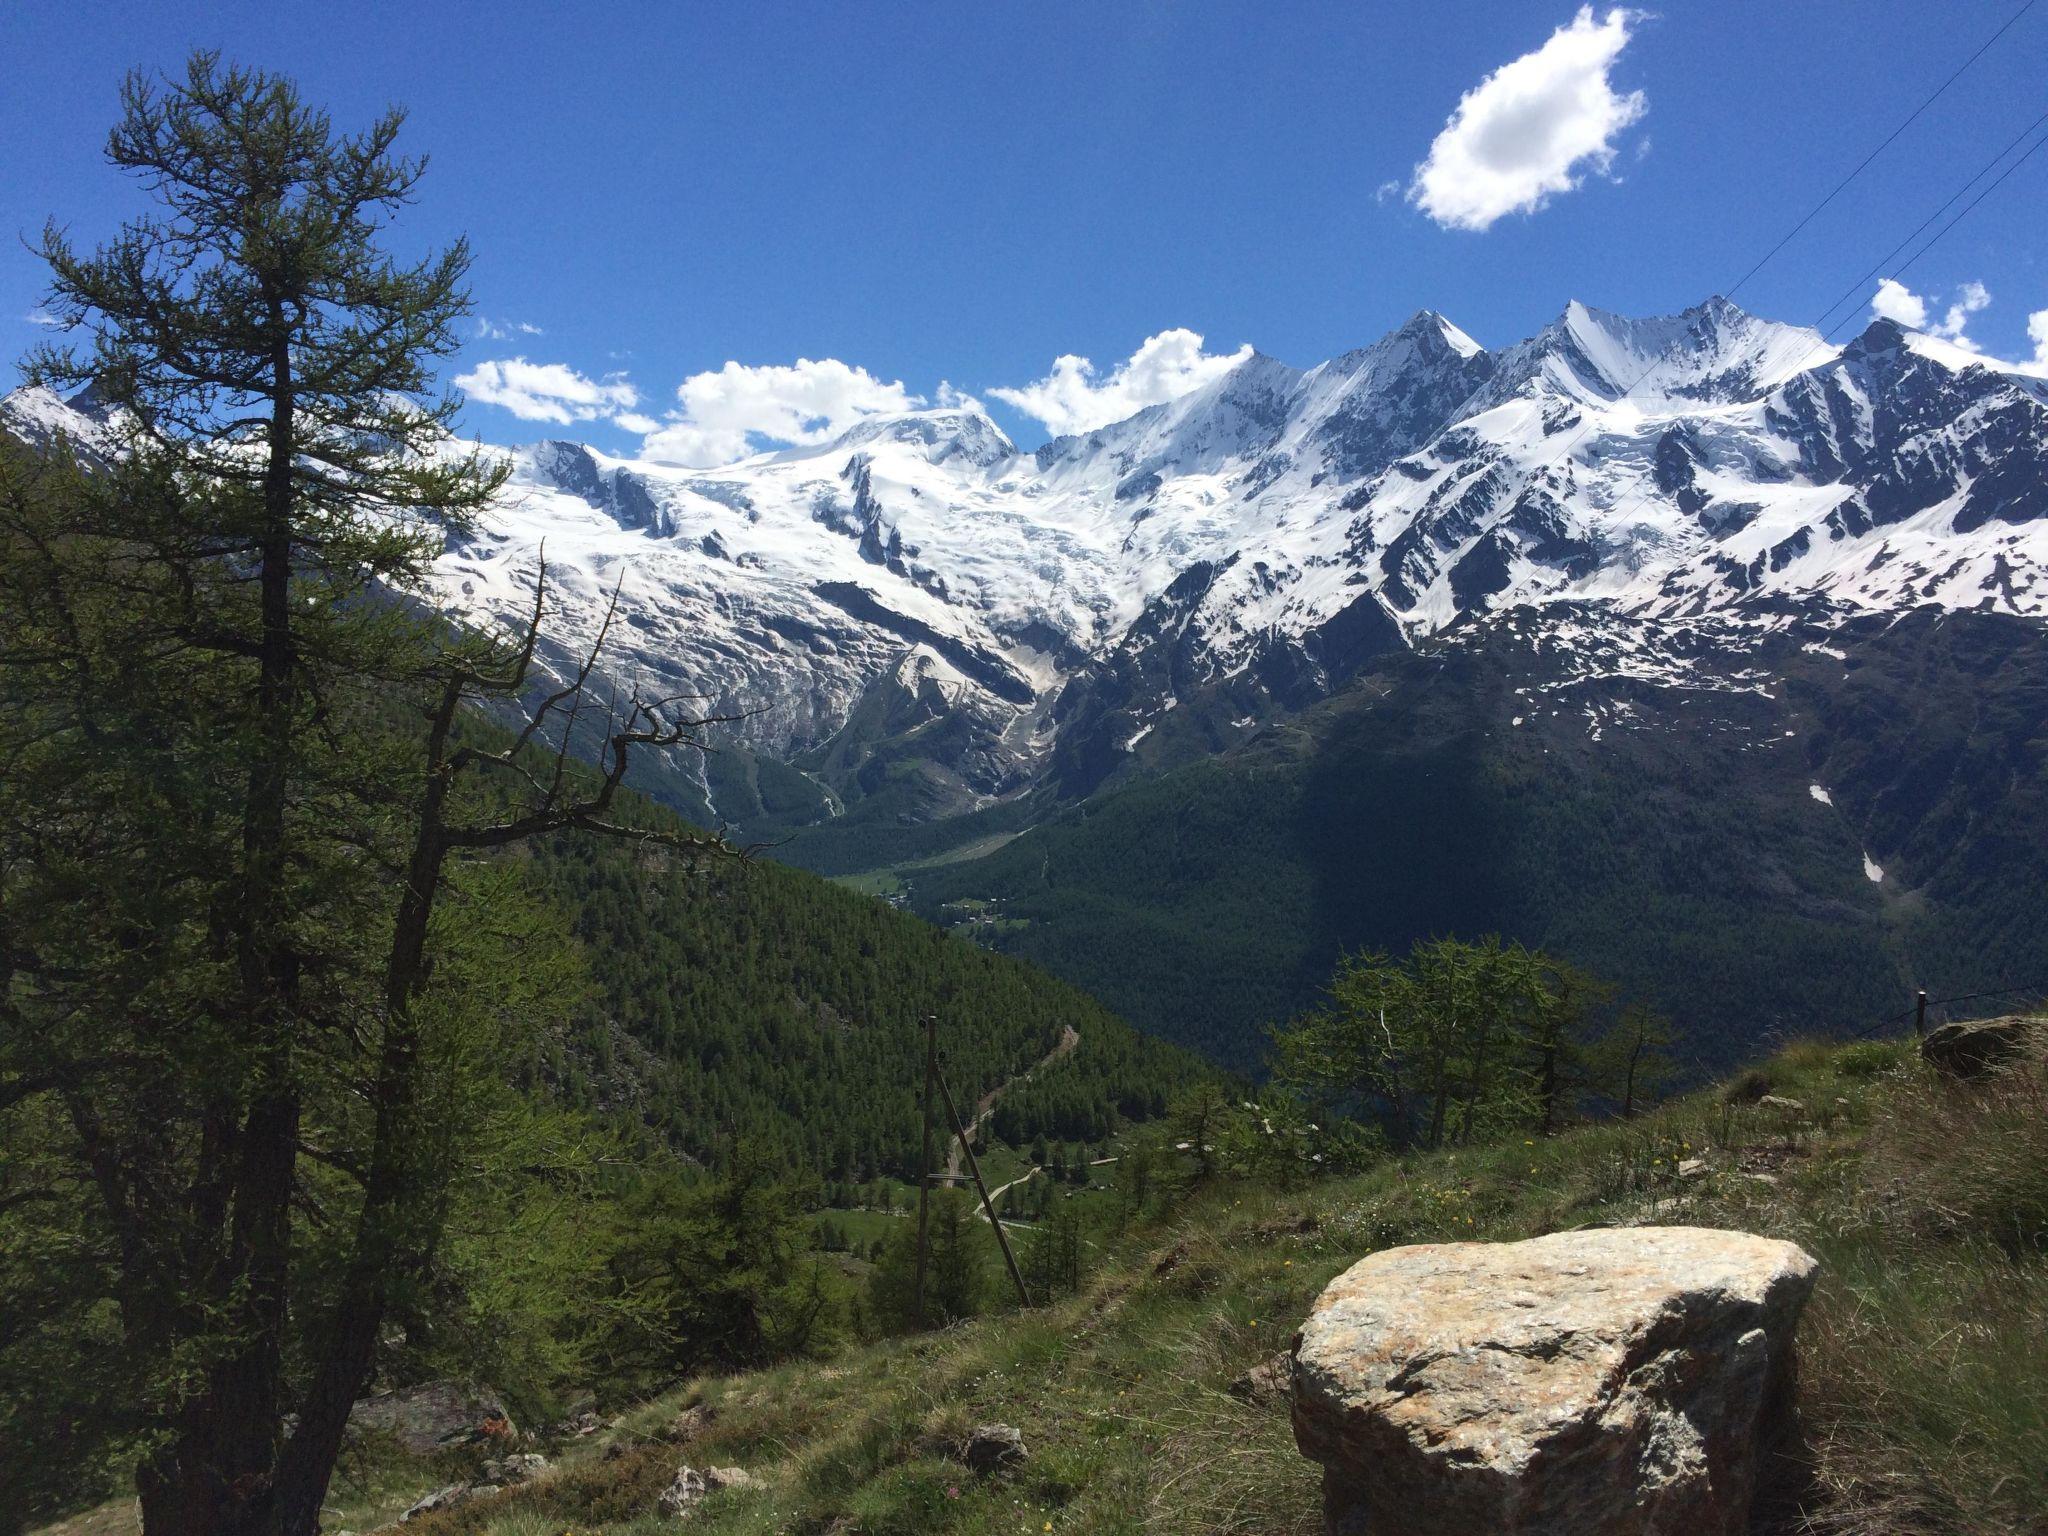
column 240, row 786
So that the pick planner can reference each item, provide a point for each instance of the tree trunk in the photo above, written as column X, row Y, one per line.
column 1546, row 1089
column 217, row 1475
column 390, row 1191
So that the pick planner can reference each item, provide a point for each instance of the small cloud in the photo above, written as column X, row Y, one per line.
column 1970, row 298
column 547, row 391
column 946, row 397
column 633, row 421
column 728, row 413
column 2037, row 333
column 1072, row 398
column 1896, row 302
column 1533, row 128
column 42, row 317
column 488, row 329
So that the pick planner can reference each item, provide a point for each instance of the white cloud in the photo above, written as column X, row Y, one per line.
column 504, row 330
column 547, row 391
column 1969, row 298
column 726, row 414
column 1073, row 399
column 1895, row 301
column 42, row 317
column 2037, row 333
column 1533, row 128
column 634, row 421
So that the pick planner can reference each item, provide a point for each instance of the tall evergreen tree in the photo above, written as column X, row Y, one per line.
column 229, row 958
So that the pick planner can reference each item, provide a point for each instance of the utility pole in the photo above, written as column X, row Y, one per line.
column 924, row 1166
column 1920, row 1015
column 974, row 1167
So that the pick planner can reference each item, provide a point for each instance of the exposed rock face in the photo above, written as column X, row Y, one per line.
column 1974, row 1047
column 1604, row 1383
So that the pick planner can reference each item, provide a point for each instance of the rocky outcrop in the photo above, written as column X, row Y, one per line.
column 680, row 1499
column 504, row 1471
column 1603, row 1383
column 433, row 1416
column 1977, row 1047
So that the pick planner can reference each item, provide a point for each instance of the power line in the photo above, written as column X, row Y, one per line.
column 1856, row 287
column 1952, row 223
column 1822, row 342
column 1864, row 164
column 1587, row 421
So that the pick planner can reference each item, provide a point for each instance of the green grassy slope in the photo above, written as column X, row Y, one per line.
column 1924, row 1394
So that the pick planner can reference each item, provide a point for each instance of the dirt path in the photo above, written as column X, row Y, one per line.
column 986, row 1106
column 997, row 1193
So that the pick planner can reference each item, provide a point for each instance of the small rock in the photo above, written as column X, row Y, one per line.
column 679, row 1499
column 1782, row 1105
column 440, row 1498
column 717, row 1479
column 1621, row 1381
column 1691, row 1167
column 690, row 1423
column 1976, row 1047
column 1270, row 1381
column 991, row 1447
column 515, row 1469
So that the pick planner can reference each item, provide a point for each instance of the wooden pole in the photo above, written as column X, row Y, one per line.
column 1920, row 1015
column 924, row 1166
column 994, row 1221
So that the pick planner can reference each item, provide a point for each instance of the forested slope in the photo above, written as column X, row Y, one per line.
column 762, row 1002
column 1749, row 856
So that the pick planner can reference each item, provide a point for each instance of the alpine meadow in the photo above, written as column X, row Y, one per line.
column 881, row 936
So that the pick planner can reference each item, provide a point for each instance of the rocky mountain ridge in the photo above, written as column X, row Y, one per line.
column 919, row 619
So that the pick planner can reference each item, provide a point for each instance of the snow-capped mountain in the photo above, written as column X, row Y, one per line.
column 918, row 597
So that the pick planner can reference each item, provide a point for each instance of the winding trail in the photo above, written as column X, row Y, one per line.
column 986, row 1106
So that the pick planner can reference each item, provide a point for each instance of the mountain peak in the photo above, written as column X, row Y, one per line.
column 947, row 434
column 1428, row 329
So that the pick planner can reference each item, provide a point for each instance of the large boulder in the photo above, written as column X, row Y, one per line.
column 1604, row 1383
column 1975, row 1047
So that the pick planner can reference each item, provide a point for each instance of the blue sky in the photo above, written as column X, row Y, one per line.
column 901, row 194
